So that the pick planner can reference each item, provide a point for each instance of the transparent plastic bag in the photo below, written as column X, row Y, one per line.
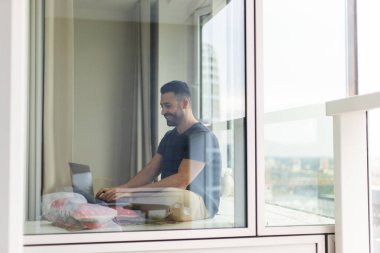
column 71, row 211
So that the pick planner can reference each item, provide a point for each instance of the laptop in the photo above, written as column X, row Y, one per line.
column 82, row 183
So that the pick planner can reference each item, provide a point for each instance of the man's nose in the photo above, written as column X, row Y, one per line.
column 163, row 111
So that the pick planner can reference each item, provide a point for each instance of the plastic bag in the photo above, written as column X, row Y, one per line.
column 71, row 211
column 127, row 216
column 92, row 213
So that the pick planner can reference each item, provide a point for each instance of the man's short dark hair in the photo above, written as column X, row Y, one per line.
column 179, row 88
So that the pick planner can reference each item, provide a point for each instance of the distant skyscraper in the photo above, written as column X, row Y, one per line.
column 210, row 85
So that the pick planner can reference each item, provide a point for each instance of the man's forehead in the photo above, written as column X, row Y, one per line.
column 168, row 97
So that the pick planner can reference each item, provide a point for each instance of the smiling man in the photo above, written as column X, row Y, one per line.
column 188, row 159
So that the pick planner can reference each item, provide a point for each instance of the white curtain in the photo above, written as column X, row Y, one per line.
column 58, row 94
column 35, row 112
column 59, row 107
column 142, row 125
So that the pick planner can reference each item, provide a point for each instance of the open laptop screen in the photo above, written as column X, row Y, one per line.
column 82, row 183
column 81, row 179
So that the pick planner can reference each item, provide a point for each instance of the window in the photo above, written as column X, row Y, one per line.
column 303, row 67
column 95, row 103
column 367, row 45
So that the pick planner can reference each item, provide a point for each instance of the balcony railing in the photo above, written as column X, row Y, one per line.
column 352, row 188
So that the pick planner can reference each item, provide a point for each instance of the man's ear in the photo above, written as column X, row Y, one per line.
column 185, row 103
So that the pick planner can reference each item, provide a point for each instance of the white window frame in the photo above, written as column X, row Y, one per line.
column 312, row 243
column 13, row 176
column 239, row 192
column 262, row 229
column 250, row 230
column 14, row 21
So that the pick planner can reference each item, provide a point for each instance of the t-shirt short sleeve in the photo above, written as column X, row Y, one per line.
column 161, row 146
column 197, row 147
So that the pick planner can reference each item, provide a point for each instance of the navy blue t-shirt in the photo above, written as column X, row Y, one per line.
column 200, row 144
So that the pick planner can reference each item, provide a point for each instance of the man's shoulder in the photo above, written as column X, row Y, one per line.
column 168, row 137
column 198, row 128
column 201, row 131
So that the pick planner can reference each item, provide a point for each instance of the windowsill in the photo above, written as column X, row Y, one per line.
column 278, row 216
column 224, row 219
column 45, row 227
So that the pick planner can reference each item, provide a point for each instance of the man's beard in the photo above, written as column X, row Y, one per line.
column 173, row 119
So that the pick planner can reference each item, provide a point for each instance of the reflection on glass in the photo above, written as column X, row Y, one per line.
column 299, row 167
column 105, row 117
column 368, row 45
column 222, row 79
column 303, row 68
column 374, row 168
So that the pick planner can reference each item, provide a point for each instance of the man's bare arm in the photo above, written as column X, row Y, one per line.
column 144, row 177
column 187, row 172
column 147, row 174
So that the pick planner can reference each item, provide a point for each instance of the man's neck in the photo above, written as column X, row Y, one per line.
column 186, row 124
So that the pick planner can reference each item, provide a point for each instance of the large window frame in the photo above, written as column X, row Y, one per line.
column 201, row 17
column 18, row 145
column 249, row 230
column 262, row 229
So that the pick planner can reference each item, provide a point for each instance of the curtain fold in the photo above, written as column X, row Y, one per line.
column 58, row 109
column 141, row 138
column 33, row 191
column 58, row 94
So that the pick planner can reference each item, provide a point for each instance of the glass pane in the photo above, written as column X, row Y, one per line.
column 374, row 168
column 143, row 117
column 303, row 68
column 220, row 78
column 368, row 23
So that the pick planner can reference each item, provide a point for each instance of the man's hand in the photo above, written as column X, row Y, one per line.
column 112, row 194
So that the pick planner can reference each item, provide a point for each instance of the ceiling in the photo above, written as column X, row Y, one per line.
column 116, row 10
column 170, row 11
column 106, row 5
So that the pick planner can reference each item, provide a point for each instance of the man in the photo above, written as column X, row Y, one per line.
column 187, row 158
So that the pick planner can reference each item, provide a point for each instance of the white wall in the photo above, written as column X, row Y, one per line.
column 171, row 64
column 175, row 53
column 104, row 74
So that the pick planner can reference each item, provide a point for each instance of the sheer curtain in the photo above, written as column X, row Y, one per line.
column 58, row 94
column 138, row 137
column 143, row 125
